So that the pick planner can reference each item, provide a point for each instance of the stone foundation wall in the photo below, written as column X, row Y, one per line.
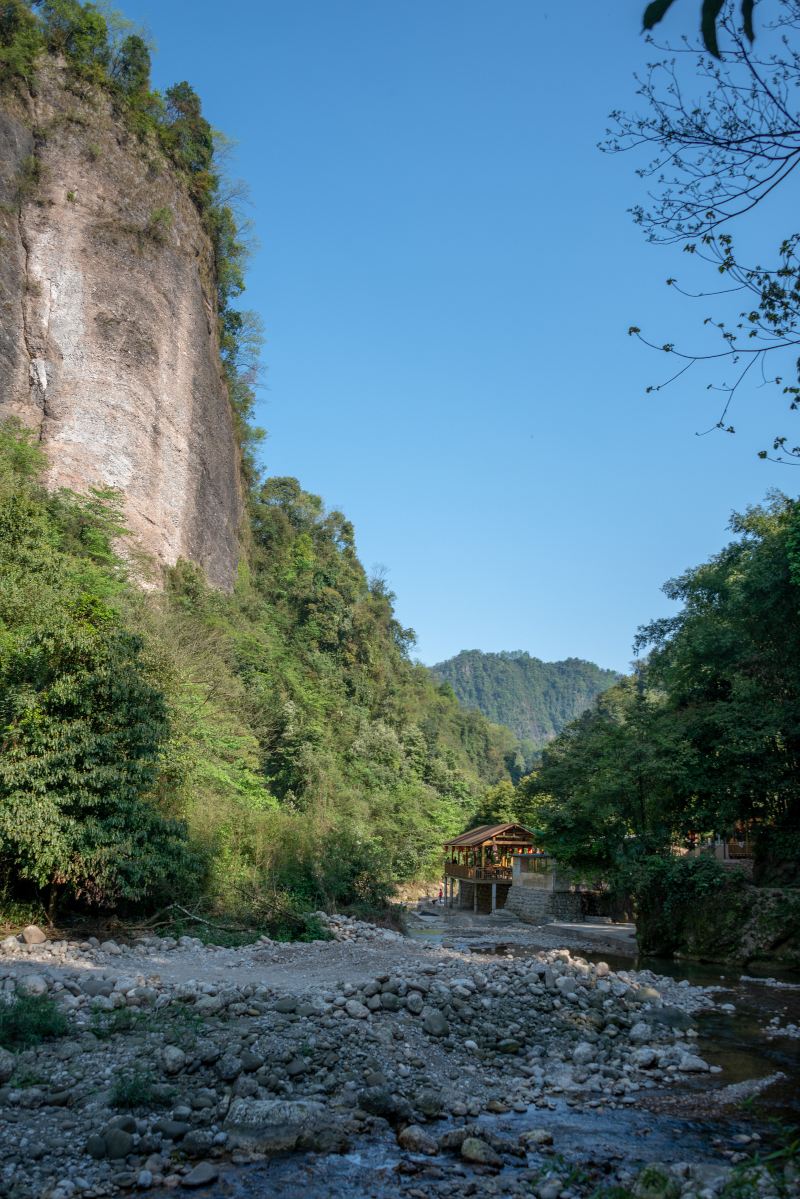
column 542, row 907
column 531, row 905
column 566, row 905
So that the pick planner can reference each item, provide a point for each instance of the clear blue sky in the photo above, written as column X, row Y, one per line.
column 446, row 274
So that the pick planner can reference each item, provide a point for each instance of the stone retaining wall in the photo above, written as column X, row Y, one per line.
column 542, row 907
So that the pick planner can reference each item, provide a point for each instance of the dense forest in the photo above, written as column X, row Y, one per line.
column 704, row 739
column 536, row 699
column 274, row 742
column 261, row 753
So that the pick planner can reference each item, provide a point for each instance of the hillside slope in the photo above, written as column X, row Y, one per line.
column 251, row 735
column 536, row 699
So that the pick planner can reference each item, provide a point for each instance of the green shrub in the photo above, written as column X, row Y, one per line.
column 79, row 32
column 135, row 1089
column 29, row 1019
column 667, row 891
column 84, row 721
column 29, row 178
column 159, row 224
column 20, row 41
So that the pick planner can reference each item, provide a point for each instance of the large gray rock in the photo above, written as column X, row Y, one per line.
column 673, row 1017
column 416, row 1140
column 436, row 1025
column 95, row 985
column 173, row 1059
column 429, row 1102
column 279, row 1125
column 32, row 984
column 536, row 1136
column 229, row 1067
column 380, row 1101
column 474, row 1149
column 692, row 1064
column 583, row 1053
column 118, row 1143
column 414, row 1002
column 33, row 935
column 202, row 1174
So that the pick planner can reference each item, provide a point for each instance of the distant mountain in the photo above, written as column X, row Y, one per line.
column 536, row 699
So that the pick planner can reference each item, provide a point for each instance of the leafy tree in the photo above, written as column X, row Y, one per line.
column 707, row 737
column 82, row 725
column 76, row 30
column 131, row 66
column 189, row 134
column 82, row 731
column 20, row 40
column 500, row 804
column 730, row 664
column 717, row 152
column 709, row 17
column 603, row 791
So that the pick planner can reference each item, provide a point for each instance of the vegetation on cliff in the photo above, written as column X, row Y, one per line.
column 103, row 50
column 536, row 699
column 268, row 751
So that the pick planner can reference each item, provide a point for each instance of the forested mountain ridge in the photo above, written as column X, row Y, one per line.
column 534, row 698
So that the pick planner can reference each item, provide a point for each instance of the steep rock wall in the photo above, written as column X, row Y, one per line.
column 108, row 342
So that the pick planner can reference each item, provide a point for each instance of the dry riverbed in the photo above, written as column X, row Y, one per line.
column 182, row 1062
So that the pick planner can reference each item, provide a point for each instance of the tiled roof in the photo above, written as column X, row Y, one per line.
column 488, row 832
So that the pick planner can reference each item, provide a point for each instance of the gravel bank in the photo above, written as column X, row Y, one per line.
column 180, row 1058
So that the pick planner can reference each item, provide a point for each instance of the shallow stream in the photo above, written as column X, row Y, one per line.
column 664, row 1126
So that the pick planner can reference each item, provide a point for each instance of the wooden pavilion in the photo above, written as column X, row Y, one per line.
column 481, row 862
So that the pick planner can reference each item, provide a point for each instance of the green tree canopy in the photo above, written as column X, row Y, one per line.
column 82, row 722
column 707, row 737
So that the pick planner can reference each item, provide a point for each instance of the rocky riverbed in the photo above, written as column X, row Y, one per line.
column 182, row 1061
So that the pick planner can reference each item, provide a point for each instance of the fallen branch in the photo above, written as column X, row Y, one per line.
column 223, row 928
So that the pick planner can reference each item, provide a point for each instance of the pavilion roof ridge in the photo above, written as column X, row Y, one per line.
column 487, row 832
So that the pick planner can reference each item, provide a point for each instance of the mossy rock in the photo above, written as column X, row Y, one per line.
column 741, row 924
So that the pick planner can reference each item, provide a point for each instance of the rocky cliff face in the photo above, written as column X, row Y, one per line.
column 107, row 325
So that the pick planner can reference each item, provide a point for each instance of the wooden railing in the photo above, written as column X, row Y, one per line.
column 481, row 874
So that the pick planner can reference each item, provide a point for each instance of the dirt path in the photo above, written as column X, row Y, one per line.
column 298, row 968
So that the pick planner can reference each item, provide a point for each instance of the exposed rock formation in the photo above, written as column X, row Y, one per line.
column 108, row 340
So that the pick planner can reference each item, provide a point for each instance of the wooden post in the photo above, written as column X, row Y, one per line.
column 475, row 896
column 494, row 897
